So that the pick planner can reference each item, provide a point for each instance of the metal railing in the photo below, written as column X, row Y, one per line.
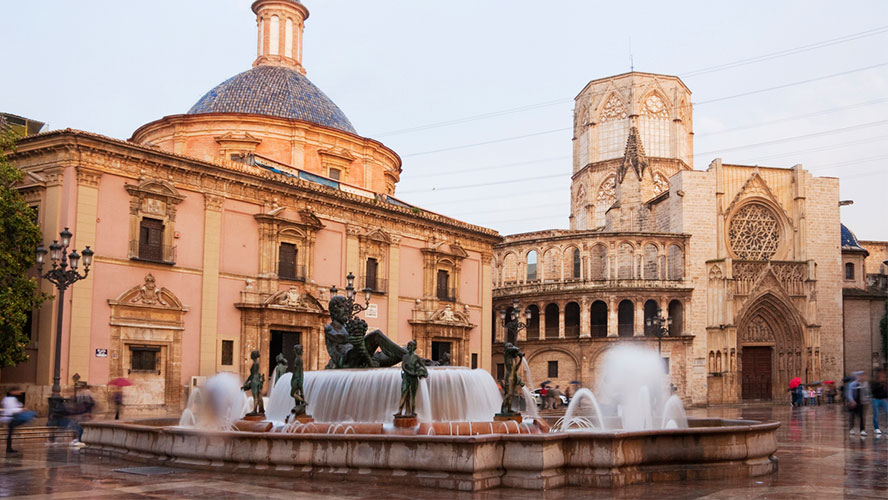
column 291, row 273
column 376, row 285
column 448, row 294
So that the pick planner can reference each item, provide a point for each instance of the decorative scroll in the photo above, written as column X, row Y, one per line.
column 148, row 293
column 754, row 233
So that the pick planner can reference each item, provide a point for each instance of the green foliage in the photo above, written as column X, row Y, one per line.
column 21, row 235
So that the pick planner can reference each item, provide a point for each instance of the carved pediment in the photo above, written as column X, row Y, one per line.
column 755, row 187
column 310, row 219
column 448, row 315
column 339, row 155
column 148, row 295
column 236, row 139
column 377, row 235
column 155, row 187
column 296, row 299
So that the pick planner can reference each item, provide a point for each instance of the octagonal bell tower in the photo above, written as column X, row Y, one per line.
column 658, row 107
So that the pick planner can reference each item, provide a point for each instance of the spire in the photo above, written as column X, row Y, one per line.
column 633, row 157
column 280, row 24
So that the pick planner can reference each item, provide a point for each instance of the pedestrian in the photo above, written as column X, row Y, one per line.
column 880, row 397
column 855, row 399
column 544, row 396
column 117, row 399
column 83, row 405
column 831, row 393
column 556, row 396
column 14, row 414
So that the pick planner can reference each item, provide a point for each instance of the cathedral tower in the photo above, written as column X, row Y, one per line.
column 658, row 108
column 280, row 24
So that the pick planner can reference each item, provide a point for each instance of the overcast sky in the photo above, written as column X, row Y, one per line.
column 820, row 100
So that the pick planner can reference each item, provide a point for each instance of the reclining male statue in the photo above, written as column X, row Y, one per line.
column 351, row 346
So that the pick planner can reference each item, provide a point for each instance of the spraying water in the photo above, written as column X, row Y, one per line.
column 218, row 404
column 633, row 394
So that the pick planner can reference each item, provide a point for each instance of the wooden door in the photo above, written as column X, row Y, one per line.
column 756, row 373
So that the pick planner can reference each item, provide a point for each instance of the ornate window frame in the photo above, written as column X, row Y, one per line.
column 275, row 229
column 374, row 245
column 155, row 199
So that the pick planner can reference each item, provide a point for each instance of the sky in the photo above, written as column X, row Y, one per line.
column 477, row 96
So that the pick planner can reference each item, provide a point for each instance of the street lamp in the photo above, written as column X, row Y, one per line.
column 350, row 295
column 511, row 323
column 660, row 326
column 62, row 277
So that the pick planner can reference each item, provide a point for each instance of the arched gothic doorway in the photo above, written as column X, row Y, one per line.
column 772, row 348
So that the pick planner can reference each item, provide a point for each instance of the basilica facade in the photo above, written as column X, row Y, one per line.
column 222, row 230
column 743, row 264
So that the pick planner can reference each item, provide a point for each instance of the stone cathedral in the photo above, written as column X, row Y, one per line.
column 742, row 262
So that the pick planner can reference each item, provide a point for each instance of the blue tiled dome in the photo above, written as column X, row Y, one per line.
column 273, row 91
column 849, row 241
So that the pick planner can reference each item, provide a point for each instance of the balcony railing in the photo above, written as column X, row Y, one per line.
column 291, row 273
column 161, row 254
column 376, row 285
column 448, row 294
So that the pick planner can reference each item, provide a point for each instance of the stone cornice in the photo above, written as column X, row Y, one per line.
column 241, row 181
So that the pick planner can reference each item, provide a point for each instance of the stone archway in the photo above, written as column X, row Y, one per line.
column 772, row 347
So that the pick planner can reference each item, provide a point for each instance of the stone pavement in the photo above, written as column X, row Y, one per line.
column 818, row 459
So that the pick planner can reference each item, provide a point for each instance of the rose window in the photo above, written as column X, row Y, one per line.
column 754, row 233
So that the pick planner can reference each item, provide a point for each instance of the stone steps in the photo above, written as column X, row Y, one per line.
column 35, row 434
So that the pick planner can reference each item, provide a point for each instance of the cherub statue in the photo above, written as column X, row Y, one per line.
column 254, row 384
column 296, row 391
column 281, row 367
column 512, row 357
column 412, row 369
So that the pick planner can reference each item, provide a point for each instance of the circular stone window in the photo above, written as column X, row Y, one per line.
column 754, row 233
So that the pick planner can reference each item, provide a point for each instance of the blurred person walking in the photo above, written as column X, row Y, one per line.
column 14, row 415
column 855, row 399
column 880, row 398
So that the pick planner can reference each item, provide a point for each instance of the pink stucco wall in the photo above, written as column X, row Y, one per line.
column 240, row 239
column 329, row 265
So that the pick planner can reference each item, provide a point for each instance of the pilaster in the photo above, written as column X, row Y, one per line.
column 394, row 276
column 209, row 310
column 51, row 223
column 486, row 355
column 82, row 293
column 352, row 249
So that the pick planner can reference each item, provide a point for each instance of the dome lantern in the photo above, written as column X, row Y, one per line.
column 280, row 24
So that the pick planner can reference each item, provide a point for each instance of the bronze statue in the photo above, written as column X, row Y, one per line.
column 350, row 346
column 512, row 357
column 296, row 391
column 445, row 359
column 412, row 369
column 280, row 369
column 254, row 384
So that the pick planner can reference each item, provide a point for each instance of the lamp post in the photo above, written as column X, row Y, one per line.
column 350, row 295
column 661, row 327
column 511, row 323
column 63, row 274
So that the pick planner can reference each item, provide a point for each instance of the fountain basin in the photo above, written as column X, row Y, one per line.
column 709, row 448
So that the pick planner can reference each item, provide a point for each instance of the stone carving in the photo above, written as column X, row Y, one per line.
column 654, row 107
column 448, row 315
column 715, row 273
column 754, row 233
column 634, row 157
column 148, row 293
column 607, row 193
column 757, row 331
column 412, row 369
column 613, row 109
column 661, row 183
column 291, row 298
column 254, row 384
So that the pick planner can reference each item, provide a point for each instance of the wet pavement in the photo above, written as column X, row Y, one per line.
column 817, row 459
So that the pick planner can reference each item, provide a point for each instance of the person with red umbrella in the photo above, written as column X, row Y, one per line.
column 795, row 387
column 117, row 396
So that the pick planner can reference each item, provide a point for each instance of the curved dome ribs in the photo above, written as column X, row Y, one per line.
column 273, row 91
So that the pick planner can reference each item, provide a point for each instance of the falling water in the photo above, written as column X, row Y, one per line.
column 218, row 404
column 632, row 394
column 374, row 395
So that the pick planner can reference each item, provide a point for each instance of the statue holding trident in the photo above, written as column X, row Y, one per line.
column 412, row 369
column 254, row 384
column 512, row 357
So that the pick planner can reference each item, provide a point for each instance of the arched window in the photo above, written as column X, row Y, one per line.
column 626, row 318
column 510, row 269
column 649, row 267
column 675, row 263
column 532, row 265
column 288, row 38
column 572, row 320
column 676, row 314
column 650, row 312
column 598, row 263
column 274, row 36
column 552, row 321
column 533, row 324
column 849, row 271
column 551, row 265
column 598, row 318
column 576, row 264
column 711, row 361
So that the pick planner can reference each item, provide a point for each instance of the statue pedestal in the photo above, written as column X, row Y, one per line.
column 499, row 417
column 254, row 418
column 403, row 422
column 302, row 419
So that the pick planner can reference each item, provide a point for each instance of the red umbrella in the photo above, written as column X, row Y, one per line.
column 795, row 383
column 120, row 382
column 829, row 382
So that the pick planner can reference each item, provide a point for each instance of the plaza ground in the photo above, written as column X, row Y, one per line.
column 817, row 457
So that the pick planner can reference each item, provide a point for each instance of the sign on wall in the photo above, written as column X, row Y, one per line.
column 101, row 353
column 372, row 311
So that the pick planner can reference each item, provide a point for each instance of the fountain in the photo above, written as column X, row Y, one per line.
column 435, row 426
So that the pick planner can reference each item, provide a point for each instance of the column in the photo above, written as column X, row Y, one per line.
column 209, row 296
column 585, row 319
column 394, row 273
column 612, row 317
column 542, row 321
column 82, row 292
column 638, row 324
column 51, row 224
column 561, row 321
column 485, row 356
